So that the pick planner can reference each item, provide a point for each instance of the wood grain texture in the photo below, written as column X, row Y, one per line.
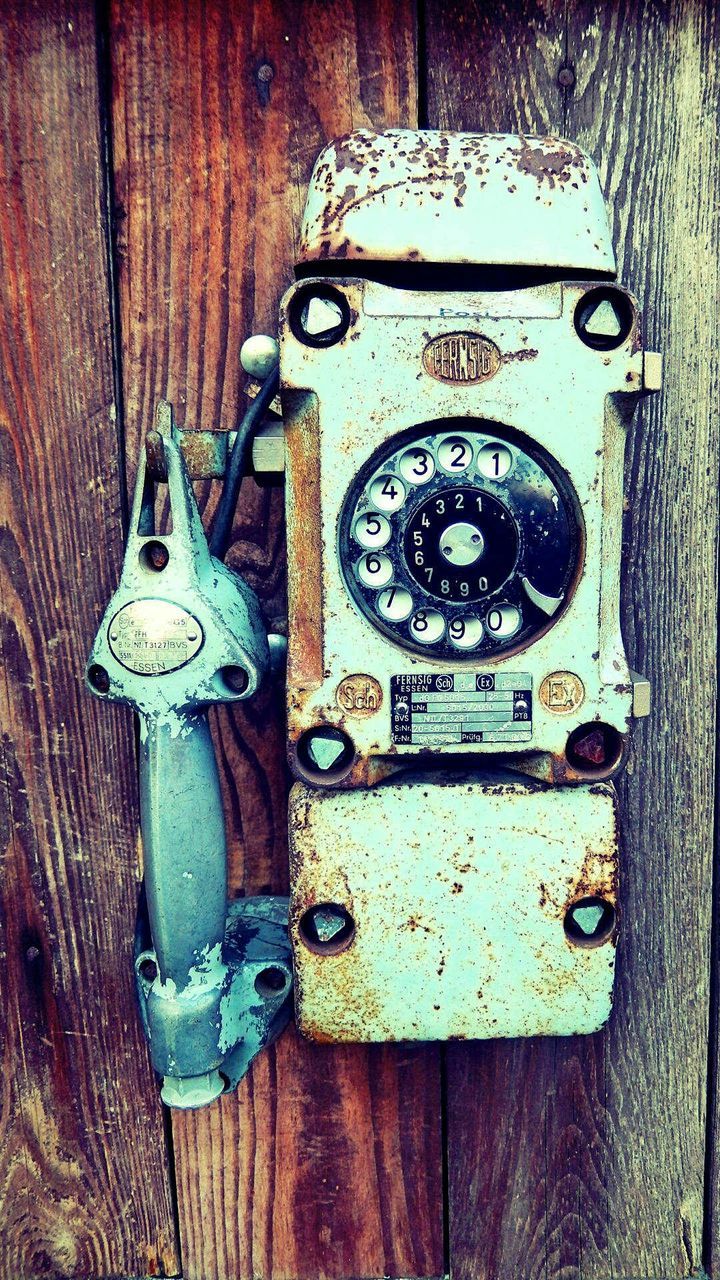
column 584, row 1158
column 327, row 1162
column 84, row 1186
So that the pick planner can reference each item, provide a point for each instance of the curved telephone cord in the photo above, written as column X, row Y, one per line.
column 222, row 527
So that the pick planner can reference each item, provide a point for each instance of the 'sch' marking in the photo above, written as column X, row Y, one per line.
column 359, row 695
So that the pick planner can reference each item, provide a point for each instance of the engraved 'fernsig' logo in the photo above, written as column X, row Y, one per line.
column 461, row 357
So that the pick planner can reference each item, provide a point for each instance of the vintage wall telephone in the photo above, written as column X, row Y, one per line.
column 458, row 370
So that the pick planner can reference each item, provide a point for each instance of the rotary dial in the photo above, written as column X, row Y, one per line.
column 460, row 542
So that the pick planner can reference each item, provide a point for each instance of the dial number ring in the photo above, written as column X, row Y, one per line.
column 479, row 541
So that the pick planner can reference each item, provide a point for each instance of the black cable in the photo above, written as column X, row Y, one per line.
column 256, row 410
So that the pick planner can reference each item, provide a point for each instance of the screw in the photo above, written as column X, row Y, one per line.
column 319, row 316
column 327, row 922
column 590, row 922
column 604, row 318
column 566, row 77
column 98, row 678
column 32, row 954
column 594, row 747
column 325, row 749
column 327, row 928
column 236, row 679
column 265, row 72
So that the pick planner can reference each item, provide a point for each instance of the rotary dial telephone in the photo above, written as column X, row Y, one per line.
column 458, row 370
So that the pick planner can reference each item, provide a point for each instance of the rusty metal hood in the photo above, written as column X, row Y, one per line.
column 495, row 199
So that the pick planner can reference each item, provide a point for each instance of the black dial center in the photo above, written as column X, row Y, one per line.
column 461, row 544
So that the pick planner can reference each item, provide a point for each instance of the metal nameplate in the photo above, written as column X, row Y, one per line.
column 153, row 637
column 461, row 358
column 461, row 708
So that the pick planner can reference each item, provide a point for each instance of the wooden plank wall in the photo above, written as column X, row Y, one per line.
column 574, row 1160
column 586, row 1157
column 325, row 1163
column 84, row 1174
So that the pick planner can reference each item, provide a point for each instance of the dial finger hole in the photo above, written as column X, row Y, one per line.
column 455, row 455
column 495, row 461
column 465, row 633
column 503, row 620
column 395, row 604
column 427, row 626
column 372, row 530
column 375, row 570
column 387, row 493
column 417, row 466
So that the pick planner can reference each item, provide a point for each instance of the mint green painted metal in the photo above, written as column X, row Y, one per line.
column 459, row 890
column 181, row 632
column 459, row 883
column 432, row 196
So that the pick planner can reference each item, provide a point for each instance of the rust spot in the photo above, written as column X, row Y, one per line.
column 548, row 163
column 203, row 453
column 526, row 353
column 305, row 598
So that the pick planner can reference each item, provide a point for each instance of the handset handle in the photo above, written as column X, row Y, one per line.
column 183, row 832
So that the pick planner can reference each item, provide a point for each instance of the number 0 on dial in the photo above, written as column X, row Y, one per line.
column 460, row 543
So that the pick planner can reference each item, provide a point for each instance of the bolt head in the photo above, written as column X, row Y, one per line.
column 320, row 316
column 325, row 748
column 590, row 922
column 98, row 678
column 328, row 921
column 236, row 678
column 327, row 928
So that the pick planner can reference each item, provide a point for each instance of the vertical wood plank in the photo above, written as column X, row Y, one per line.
column 84, row 1181
column 327, row 1162
column 584, row 1158
column 589, row 1157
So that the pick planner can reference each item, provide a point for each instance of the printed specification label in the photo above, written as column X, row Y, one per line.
column 447, row 710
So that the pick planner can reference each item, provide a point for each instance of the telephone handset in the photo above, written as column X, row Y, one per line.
column 458, row 370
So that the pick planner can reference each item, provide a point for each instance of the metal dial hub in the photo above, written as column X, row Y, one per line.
column 468, row 557
column 459, row 542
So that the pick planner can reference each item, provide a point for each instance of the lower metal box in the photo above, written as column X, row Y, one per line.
column 458, row 908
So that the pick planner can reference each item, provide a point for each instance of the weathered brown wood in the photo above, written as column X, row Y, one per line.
column 84, row 1185
column 327, row 1162
column 584, row 1158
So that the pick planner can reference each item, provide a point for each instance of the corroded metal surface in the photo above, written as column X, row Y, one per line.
column 431, row 196
column 433, row 906
column 459, row 917
column 347, row 400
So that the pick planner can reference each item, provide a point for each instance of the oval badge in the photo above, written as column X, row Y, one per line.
column 461, row 358
column 153, row 637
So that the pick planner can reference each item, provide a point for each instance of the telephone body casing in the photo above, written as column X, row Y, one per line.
column 458, row 880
